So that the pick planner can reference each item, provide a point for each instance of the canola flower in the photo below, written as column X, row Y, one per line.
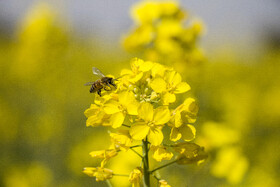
column 164, row 32
column 137, row 111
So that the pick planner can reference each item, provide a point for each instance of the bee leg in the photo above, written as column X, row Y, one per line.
column 108, row 85
column 99, row 92
column 106, row 89
column 114, row 85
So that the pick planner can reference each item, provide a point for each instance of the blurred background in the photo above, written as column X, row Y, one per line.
column 47, row 50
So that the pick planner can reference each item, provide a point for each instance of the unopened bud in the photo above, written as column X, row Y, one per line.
column 130, row 87
column 146, row 90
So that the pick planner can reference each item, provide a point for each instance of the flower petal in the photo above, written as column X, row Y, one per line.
column 175, row 134
column 173, row 78
column 182, row 87
column 191, row 105
column 136, row 77
column 188, row 132
column 139, row 131
column 146, row 66
column 117, row 119
column 146, row 111
column 111, row 107
column 126, row 72
column 92, row 110
column 132, row 108
column 155, row 136
column 162, row 154
column 161, row 115
column 176, row 79
column 126, row 97
column 178, row 120
column 168, row 98
column 158, row 85
column 158, row 70
column 128, row 100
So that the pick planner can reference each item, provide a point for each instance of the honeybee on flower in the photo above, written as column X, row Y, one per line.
column 138, row 111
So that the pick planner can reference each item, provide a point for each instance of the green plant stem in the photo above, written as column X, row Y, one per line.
column 163, row 166
column 158, row 179
column 126, row 125
column 136, row 152
column 135, row 146
column 145, row 161
column 109, row 183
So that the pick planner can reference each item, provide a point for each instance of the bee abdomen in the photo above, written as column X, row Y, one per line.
column 92, row 88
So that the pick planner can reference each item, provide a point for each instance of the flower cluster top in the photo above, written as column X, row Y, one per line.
column 164, row 32
column 139, row 109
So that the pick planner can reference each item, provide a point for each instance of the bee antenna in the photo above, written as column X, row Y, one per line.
column 120, row 77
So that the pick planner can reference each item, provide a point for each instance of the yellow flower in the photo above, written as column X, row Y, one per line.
column 148, row 12
column 183, row 114
column 163, row 183
column 189, row 110
column 118, row 109
column 159, row 70
column 135, row 177
column 121, row 140
column 96, row 116
column 100, row 173
column 160, row 153
column 186, row 132
column 145, row 12
column 150, row 124
column 189, row 153
column 160, row 33
column 140, row 37
column 138, row 68
column 105, row 154
column 169, row 85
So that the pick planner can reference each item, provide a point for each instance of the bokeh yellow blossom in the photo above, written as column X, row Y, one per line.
column 100, row 173
column 161, row 153
column 189, row 153
column 161, row 34
column 135, row 177
column 104, row 154
column 163, row 183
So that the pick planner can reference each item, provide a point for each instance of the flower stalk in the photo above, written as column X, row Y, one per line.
column 163, row 166
column 146, row 172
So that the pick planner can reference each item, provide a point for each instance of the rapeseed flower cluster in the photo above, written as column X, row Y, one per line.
column 164, row 32
column 138, row 110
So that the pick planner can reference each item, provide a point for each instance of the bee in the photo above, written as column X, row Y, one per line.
column 102, row 83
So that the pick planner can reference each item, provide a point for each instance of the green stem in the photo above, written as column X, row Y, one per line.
column 135, row 146
column 109, row 183
column 136, row 152
column 163, row 166
column 126, row 125
column 146, row 163
column 158, row 179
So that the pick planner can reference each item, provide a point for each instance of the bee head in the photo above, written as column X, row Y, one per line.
column 111, row 81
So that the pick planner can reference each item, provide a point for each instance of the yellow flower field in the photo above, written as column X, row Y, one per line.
column 171, row 114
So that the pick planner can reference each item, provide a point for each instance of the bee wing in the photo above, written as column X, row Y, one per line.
column 88, row 83
column 97, row 72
